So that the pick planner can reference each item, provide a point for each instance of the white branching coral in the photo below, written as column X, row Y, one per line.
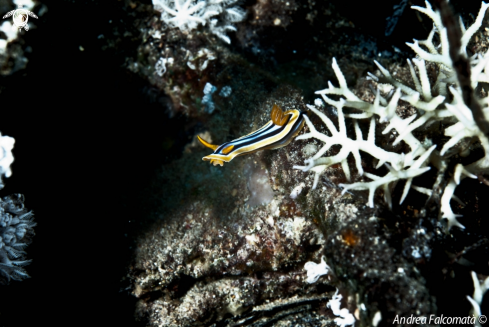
column 188, row 14
column 393, row 176
column 339, row 137
column 397, row 163
column 440, row 100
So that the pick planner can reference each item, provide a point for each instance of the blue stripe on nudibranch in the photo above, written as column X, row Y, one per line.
column 277, row 133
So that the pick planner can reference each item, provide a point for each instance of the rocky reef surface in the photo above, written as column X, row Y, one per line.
column 300, row 236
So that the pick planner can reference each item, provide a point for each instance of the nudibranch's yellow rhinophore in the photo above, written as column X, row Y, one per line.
column 284, row 126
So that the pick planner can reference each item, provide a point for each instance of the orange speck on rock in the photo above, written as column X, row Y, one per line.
column 350, row 238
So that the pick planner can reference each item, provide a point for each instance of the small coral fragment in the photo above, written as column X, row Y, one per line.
column 345, row 317
column 296, row 191
column 314, row 270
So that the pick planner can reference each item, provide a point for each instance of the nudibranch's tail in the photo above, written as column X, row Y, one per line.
column 207, row 144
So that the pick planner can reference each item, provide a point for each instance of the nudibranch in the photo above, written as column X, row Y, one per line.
column 278, row 132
